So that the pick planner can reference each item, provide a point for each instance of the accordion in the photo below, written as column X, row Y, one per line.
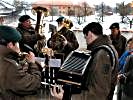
column 73, row 68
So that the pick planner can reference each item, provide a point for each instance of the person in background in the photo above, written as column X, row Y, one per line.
column 20, row 75
column 102, row 75
column 122, row 61
column 128, row 51
column 29, row 35
column 68, row 41
column 118, row 40
column 126, row 79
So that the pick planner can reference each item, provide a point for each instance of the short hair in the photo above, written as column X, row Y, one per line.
column 94, row 27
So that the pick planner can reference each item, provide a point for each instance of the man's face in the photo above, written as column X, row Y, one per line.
column 14, row 46
column 88, row 37
column 26, row 24
column 114, row 31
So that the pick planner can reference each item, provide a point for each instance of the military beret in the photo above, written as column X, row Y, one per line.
column 114, row 25
column 24, row 18
column 60, row 19
column 9, row 34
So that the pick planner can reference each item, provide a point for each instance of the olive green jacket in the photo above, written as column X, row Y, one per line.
column 18, row 81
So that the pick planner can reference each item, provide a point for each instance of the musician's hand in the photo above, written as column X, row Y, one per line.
column 30, row 57
column 57, row 95
column 65, row 40
column 121, row 78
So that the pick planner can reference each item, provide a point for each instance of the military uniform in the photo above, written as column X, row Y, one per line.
column 119, row 41
column 19, row 80
column 71, row 39
column 29, row 35
column 100, row 73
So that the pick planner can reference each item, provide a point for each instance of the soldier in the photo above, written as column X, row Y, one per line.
column 68, row 41
column 29, row 35
column 118, row 40
column 20, row 78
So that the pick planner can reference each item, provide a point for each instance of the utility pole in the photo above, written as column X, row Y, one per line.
column 123, row 9
column 102, row 11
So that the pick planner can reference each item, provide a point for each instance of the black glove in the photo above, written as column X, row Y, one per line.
column 122, row 79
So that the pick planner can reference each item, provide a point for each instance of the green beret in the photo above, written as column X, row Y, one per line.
column 9, row 34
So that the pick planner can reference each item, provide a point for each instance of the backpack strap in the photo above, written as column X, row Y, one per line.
column 86, row 76
column 111, row 52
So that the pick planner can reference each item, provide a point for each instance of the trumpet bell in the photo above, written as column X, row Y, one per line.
column 38, row 9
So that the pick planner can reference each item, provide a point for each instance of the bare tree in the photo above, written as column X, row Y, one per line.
column 122, row 9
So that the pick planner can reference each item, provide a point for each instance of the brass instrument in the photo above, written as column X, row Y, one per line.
column 41, row 13
column 68, row 23
column 48, row 51
column 57, row 40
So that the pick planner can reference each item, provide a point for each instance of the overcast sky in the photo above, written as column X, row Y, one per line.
column 107, row 2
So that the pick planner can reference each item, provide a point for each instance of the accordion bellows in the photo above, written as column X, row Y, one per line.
column 73, row 68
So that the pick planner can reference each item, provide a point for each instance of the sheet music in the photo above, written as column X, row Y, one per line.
column 39, row 59
column 54, row 62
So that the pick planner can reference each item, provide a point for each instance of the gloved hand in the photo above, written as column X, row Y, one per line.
column 122, row 78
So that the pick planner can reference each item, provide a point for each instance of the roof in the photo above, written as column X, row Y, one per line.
column 53, row 2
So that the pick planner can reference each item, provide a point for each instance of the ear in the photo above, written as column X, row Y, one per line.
column 9, row 45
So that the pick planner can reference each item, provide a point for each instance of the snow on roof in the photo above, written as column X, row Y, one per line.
column 6, row 4
column 53, row 2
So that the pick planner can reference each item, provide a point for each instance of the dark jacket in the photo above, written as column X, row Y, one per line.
column 128, row 86
column 101, row 76
column 119, row 43
column 18, row 81
column 72, row 41
column 29, row 37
